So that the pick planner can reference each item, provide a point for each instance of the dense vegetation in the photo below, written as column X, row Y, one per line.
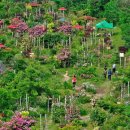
column 43, row 44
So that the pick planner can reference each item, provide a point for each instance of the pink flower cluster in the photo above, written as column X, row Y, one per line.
column 18, row 122
column 18, row 25
column 65, row 29
column 88, row 30
column 37, row 31
column 64, row 55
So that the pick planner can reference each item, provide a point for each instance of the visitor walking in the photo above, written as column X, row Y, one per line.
column 105, row 67
column 105, row 73
column 66, row 76
column 113, row 68
column 74, row 80
column 109, row 74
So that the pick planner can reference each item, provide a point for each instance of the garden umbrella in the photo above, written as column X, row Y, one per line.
column 2, row 46
column 12, row 27
column 34, row 4
column 62, row 9
column 87, row 18
column 78, row 27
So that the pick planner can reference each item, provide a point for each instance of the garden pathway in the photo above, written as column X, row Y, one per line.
column 103, row 90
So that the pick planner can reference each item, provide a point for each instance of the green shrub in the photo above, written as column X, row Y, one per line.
column 84, row 99
column 78, row 122
column 117, row 121
column 83, row 112
column 98, row 116
column 58, row 113
column 111, row 106
column 67, row 85
column 87, row 70
column 89, row 87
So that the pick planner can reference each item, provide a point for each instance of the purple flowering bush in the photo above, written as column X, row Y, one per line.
column 65, row 29
column 37, row 31
column 18, row 122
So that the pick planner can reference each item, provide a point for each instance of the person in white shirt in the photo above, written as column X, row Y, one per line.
column 114, row 68
column 66, row 77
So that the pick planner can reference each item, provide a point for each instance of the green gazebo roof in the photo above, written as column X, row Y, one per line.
column 104, row 25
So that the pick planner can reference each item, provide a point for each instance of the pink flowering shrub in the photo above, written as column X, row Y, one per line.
column 65, row 29
column 19, row 24
column 88, row 30
column 37, row 31
column 22, row 27
column 18, row 122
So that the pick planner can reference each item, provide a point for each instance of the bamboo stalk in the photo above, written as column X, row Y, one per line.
column 27, row 102
column 65, row 101
column 128, row 88
column 48, row 105
column 59, row 99
column 120, row 61
column 41, row 128
column 20, row 102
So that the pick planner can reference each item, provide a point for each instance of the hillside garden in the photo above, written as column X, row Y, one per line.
column 43, row 44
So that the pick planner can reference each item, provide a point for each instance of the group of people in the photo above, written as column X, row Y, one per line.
column 109, row 72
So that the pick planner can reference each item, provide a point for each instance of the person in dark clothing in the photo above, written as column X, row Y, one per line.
column 105, row 73
column 105, row 68
column 109, row 74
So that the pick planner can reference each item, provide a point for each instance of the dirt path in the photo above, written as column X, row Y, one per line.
column 103, row 90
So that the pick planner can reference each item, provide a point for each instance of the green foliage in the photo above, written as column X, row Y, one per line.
column 91, row 90
column 19, row 64
column 112, row 11
column 87, row 70
column 24, row 113
column 127, row 110
column 111, row 106
column 84, row 99
column 126, row 74
column 80, row 123
column 52, row 39
column 116, row 121
column 48, row 18
column 6, row 78
column 89, row 87
column 126, row 31
column 7, row 98
column 42, row 101
column 71, row 127
column 42, row 77
column 83, row 111
column 67, row 85
column 58, row 113
column 97, row 7
column 98, row 116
